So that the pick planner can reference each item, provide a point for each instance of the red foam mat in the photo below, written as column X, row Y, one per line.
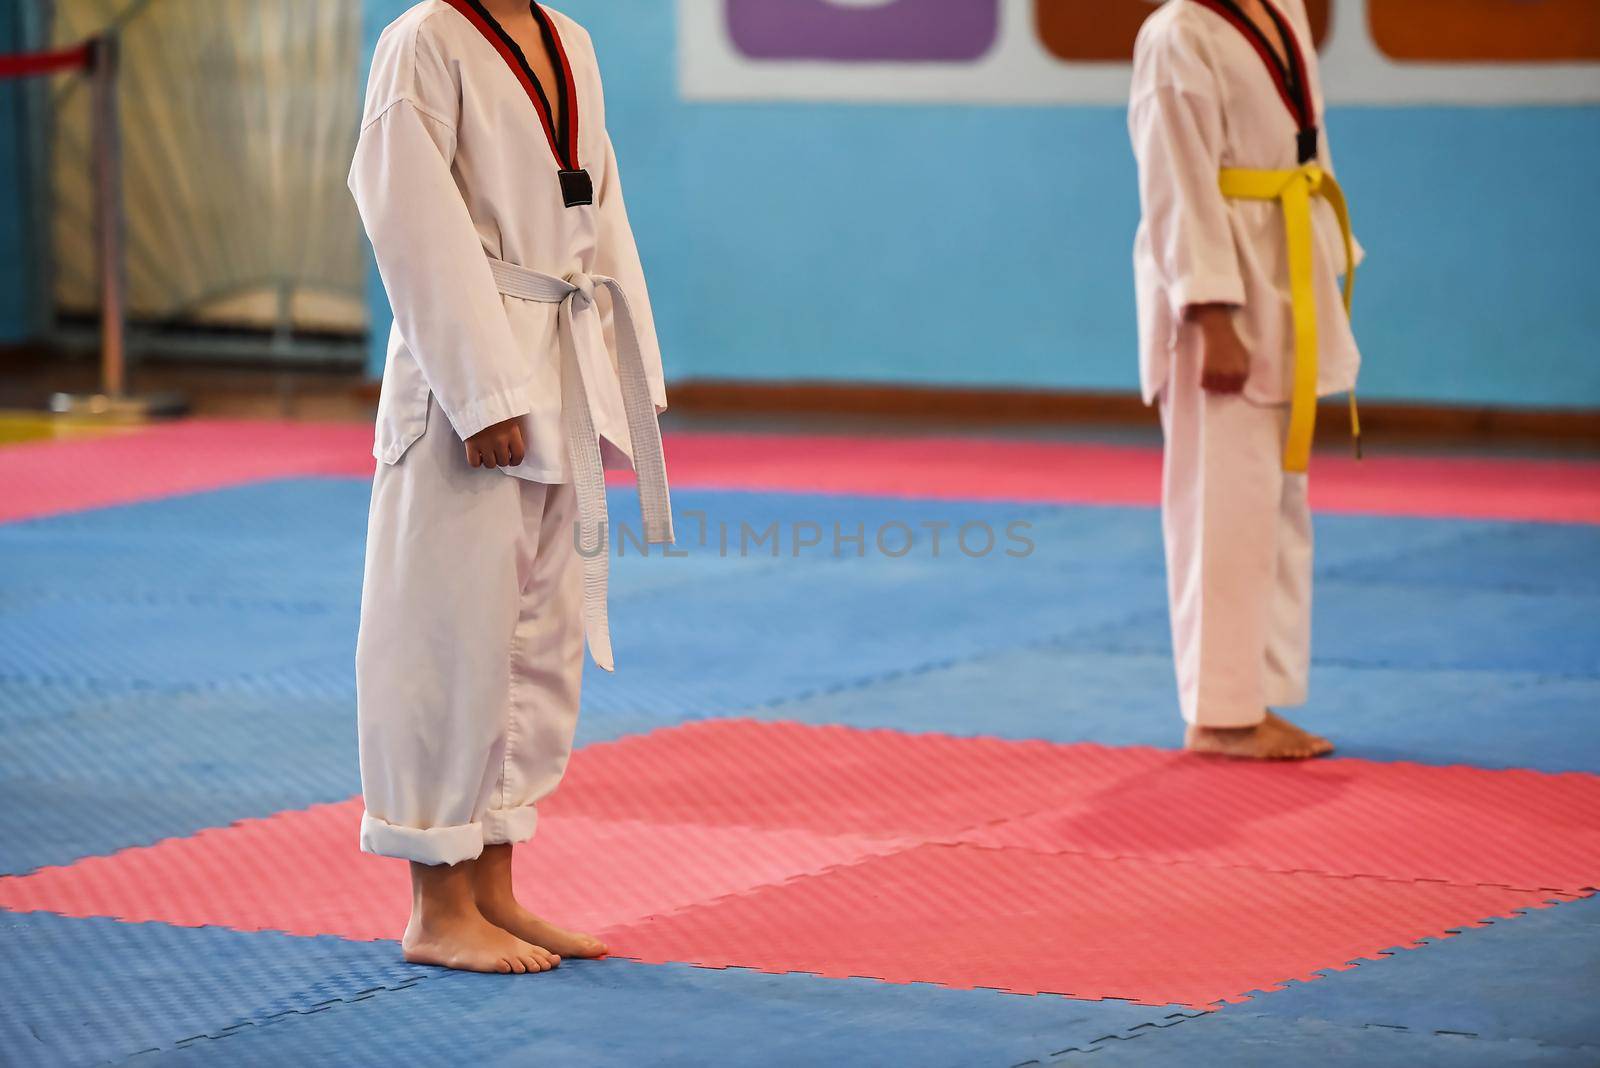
column 1034, row 923
column 1079, row 869
column 1076, row 473
column 1343, row 817
column 301, row 873
column 834, row 780
column 47, row 478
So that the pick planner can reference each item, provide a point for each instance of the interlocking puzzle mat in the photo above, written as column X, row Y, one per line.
column 176, row 701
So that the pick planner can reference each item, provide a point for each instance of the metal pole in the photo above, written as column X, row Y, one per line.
column 113, row 401
column 108, row 216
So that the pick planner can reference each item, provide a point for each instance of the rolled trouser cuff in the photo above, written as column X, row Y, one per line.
column 1232, row 715
column 431, row 845
column 1286, row 696
column 502, row 826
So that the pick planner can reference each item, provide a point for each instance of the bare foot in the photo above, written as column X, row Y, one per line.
column 1274, row 738
column 496, row 898
column 468, row 942
column 508, row 914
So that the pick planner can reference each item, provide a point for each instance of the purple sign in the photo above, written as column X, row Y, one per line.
column 904, row 30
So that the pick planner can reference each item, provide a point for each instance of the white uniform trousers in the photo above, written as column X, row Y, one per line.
column 1237, row 529
column 470, row 655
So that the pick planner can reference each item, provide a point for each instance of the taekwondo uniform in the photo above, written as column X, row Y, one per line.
column 499, row 229
column 1239, row 208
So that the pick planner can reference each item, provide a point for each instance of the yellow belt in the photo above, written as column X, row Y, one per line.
column 1294, row 190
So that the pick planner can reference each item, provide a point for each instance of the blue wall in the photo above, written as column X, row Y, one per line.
column 879, row 243
column 990, row 245
column 18, row 303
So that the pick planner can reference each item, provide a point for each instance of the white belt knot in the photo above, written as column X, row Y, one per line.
column 575, row 295
column 583, row 290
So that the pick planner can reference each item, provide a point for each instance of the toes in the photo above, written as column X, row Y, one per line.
column 503, row 967
column 517, row 966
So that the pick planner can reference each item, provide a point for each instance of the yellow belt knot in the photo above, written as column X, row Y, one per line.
column 1294, row 190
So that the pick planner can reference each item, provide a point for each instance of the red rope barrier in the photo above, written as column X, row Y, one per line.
column 29, row 64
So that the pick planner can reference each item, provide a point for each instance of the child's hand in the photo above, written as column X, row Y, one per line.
column 1225, row 363
column 497, row 446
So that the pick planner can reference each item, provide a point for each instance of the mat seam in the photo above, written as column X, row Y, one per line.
column 285, row 1016
column 1141, row 1030
column 1569, row 893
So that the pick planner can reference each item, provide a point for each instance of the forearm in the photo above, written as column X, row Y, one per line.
column 1208, row 314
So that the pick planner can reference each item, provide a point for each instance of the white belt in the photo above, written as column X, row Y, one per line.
column 575, row 295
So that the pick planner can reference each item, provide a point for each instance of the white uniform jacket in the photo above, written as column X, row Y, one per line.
column 458, row 163
column 1203, row 99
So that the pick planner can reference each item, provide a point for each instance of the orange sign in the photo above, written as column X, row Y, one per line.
column 1103, row 31
column 1486, row 30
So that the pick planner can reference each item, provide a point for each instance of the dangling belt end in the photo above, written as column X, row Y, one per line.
column 659, row 532
column 1355, row 425
column 583, row 441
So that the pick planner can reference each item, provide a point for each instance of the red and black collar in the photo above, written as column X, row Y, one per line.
column 1289, row 78
column 576, row 188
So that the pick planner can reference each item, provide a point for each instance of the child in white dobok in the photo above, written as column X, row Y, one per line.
column 523, row 358
column 1237, row 263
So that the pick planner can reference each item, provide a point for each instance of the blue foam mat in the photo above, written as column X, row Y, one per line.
column 133, row 769
column 1533, row 977
column 1521, row 557
column 1361, row 624
column 1517, row 991
column 1129, row 539
column 98, row 772
column 173, row 606
column 1487, row 719
column 87, row 991
column 181, row 663
column 177, row 664
column 809, row 630
column 1241, row 1040
column 624, row 1013
column 90, row 990
column 171, row 644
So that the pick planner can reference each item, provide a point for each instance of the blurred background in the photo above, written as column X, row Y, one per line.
column 915, row 206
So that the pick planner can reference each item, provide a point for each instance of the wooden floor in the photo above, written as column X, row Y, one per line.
column 220, row 390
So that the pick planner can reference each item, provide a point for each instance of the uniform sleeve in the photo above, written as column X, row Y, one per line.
column 617, row 255
column 446, row 304
column 1175, row 122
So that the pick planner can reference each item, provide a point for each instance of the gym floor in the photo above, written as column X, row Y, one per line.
column 841, row 802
